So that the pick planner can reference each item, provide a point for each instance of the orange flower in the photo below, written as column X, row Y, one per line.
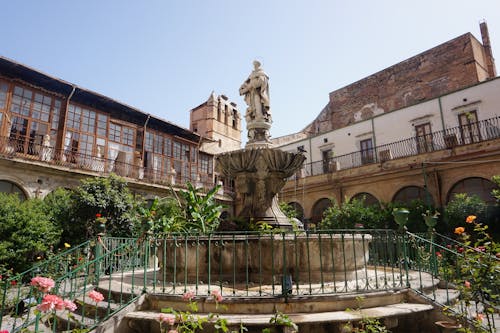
column 480, row 317
column 467, row 284
column 459, row 230
column 470, row 218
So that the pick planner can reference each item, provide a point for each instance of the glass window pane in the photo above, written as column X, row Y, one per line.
column 4, row 87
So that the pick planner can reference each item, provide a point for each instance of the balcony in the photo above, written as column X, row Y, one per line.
column 27, row 149
column 450, row 138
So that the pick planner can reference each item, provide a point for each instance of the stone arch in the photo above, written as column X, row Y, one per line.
column 409, row 193
column 368, row 198
column 318, row 208
column 8, row 186
column 473, row 185
column 298, row 208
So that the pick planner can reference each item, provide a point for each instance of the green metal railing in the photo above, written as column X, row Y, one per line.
column 76, row 272
column 443, row 259
column 255, row 264
column 250, row 265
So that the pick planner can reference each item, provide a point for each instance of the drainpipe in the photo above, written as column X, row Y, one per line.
column 63, row 133
column 441, row 113
column 310, row 156
column 144, row 136
column 374, row 140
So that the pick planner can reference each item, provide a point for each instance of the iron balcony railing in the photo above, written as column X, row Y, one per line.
column 449, row 138
column 29, row 149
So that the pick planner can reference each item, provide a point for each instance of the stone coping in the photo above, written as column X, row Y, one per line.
column 392, row 310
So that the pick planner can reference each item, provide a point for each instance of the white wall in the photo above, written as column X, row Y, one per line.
column 400, row 124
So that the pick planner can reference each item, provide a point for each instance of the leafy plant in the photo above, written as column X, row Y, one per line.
column 496, row 192
column 461, row 206
column 107, row 196
column 281, row 319
column 353, row 213
column 161, row 216
column 366, row 324
column 202, row 211
column 288, row 210
column 477, row 281
column 27, row 232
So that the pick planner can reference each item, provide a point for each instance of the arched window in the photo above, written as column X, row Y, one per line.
column 298, row 208
column 474, row 185
column 318, row 209
column 367, row 198
column 9, row 187
column 410, row 193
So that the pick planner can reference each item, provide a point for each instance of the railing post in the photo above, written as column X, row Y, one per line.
column 405, row 255
column 146, row 261
column 98, row 252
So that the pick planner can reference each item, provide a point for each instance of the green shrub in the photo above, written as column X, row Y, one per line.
column 354, row 214
column 109, row 197
column 27, row 232
column 461, row 206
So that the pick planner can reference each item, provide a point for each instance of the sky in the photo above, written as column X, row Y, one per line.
column 165, row 57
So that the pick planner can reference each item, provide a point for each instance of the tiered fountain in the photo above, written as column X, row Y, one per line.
column 259, row 171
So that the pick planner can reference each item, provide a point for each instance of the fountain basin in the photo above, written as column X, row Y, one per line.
column 263, row 259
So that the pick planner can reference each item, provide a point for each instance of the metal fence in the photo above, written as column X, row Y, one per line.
column 246, row 265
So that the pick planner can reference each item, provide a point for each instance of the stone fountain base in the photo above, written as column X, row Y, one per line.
column 264, row 259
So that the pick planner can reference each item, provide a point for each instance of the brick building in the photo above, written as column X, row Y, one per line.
column 455, row 64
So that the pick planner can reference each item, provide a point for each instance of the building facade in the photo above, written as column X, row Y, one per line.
column 429, row 151
column 54, row 133
column 425, row 128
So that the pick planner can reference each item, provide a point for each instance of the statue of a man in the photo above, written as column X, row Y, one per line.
column 256, row 91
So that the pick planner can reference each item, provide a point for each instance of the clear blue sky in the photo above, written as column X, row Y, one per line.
column 166, row 56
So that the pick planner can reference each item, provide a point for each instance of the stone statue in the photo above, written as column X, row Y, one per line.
column 46, row 151
column 258, row 114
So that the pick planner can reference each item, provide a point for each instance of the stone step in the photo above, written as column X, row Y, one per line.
column 266, row 305
column 393, row 310
column 443, row 296
column 73, row 321
column 88, row 308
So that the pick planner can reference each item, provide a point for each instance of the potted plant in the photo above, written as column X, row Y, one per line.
column 430, row 219
column 400, row 216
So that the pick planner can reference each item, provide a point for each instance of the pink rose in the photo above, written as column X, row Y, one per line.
column 188, row 295
column 217, row 296
column 167, row 318
column 96, row 296
column 467, row 284
column 70, row 305
column 42, row 283
column 51, row 302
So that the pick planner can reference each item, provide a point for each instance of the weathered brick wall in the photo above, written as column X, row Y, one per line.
column 442, row 69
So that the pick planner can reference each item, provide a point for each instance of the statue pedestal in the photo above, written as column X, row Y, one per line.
column 258, row 134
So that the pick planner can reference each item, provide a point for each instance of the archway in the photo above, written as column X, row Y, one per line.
column 411, row 193
column 299, row 209
column 10, row 187
column 367, row 198
column 475, row 185
column 318, row 209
